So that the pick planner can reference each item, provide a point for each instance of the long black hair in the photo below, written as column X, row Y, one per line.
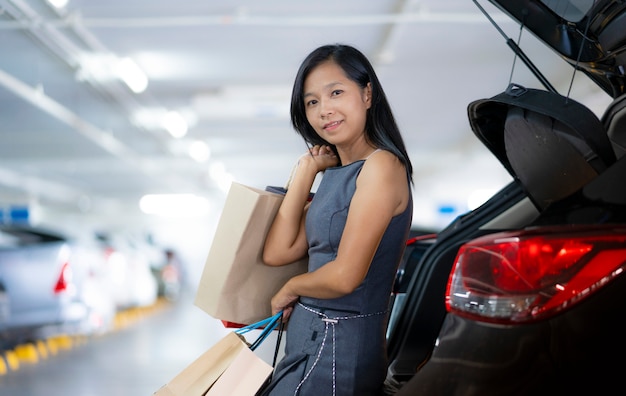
column 381, row 129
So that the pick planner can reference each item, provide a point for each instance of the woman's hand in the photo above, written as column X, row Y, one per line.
column 284, row 301
column 321, row 156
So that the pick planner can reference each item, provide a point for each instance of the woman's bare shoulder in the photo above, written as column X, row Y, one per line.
column 385, row 162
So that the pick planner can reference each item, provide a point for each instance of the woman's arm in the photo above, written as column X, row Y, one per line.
column 286, row 239
column 382, row 192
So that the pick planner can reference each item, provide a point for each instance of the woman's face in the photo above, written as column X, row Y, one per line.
column 336, row 107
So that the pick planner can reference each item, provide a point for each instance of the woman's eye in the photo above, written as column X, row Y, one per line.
column 311, row 102
column 336, row 92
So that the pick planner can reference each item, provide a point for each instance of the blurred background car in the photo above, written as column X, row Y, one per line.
column 169, row 276
column 129, row 269
column 49, row 285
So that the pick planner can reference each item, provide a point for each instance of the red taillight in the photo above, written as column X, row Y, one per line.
column 516, row 277
column 64, row 280
column 108, row 252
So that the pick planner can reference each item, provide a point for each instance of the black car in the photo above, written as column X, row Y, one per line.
column 526, row 295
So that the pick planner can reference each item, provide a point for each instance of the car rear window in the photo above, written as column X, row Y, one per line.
column 7, row 240
column 572, row 10
column 10, row 238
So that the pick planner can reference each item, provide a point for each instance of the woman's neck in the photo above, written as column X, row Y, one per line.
column 354, row 152
column 348, row 159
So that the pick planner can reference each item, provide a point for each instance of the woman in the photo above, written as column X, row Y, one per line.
column 354, row 230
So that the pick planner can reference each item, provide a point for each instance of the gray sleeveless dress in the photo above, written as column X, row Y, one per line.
column 338, row 346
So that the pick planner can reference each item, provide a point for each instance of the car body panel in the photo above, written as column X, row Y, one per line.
column 594, row 43
column 418, row 323
column 572, row 353
column 32, row 262
column 39, row 267
column 577, row 350
column 129, row 270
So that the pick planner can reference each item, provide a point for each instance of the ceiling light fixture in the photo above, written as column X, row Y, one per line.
column 58, row 3
column 174, row 205
column 106, row 67
column 175, row 124
column 199, row 151
column 128, row 71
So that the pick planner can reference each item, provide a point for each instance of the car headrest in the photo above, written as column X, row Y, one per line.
column 550, row 144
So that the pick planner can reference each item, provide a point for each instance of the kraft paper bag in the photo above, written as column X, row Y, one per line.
column 244, row 377
column 235, row 285
column 202, row 373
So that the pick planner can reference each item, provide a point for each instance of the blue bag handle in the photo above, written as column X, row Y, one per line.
column 268, row 325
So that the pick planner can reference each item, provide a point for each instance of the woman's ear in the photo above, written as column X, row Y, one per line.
column 367, row 95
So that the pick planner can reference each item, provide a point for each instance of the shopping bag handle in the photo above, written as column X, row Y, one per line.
column 268, row 325
column 272, row 320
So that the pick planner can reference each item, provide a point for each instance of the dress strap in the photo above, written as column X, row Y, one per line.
column 372, row 153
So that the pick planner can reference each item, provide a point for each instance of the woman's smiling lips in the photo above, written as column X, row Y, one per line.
column 331, row 125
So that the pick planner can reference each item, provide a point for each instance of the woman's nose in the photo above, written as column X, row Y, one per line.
column 325, row 109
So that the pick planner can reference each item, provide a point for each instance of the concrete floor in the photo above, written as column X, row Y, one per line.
column 134, row 360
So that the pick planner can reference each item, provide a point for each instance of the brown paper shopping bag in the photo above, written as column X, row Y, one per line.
column 202, row 373
column 235, row 285
column 228, row 368
column 244, row 377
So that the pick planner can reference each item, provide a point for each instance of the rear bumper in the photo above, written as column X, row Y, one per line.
column 578, row 352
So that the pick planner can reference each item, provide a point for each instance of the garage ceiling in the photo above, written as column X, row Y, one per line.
column 77, row 142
